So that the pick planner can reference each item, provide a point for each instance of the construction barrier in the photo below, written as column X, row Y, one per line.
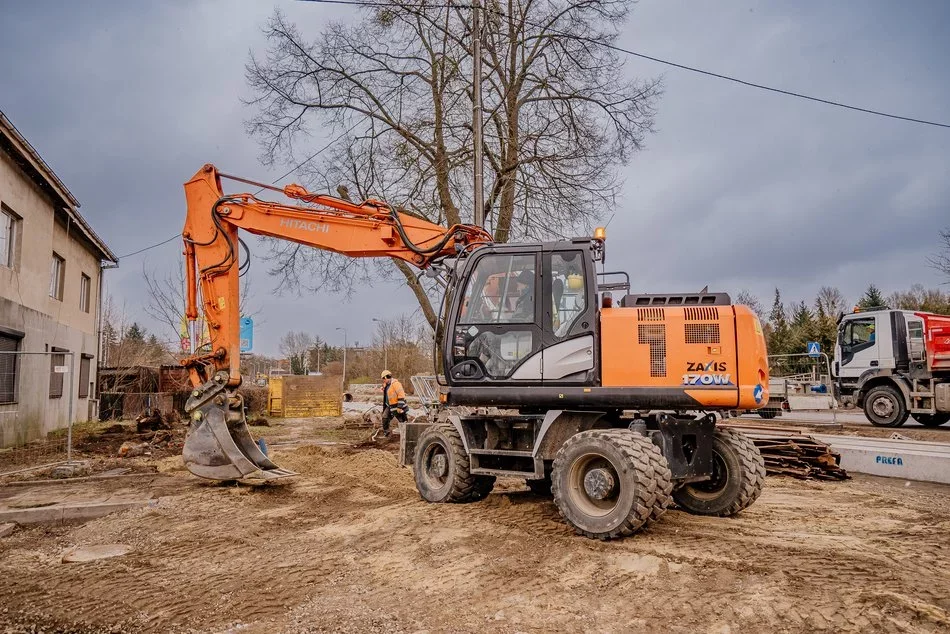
column 305, row 396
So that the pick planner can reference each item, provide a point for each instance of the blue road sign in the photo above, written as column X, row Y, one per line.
column 814, row 349
column 247, row 334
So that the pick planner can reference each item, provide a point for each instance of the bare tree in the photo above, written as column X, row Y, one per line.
column 941, row 260
column 166, row 303
column 746, row 298
column 830, row 302
column 296, row 347
column 125, row 344
column 560, row 118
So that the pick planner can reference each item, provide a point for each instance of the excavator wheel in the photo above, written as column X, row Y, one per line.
column 441, row 467
column 664, row 483
column 604, row 482
column 737, row 479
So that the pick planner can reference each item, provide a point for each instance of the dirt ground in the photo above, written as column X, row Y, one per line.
column 349, row 546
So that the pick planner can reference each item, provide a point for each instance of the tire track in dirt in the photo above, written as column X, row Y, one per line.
column 351, row 546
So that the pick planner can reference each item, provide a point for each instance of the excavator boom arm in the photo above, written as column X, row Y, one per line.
column 367, row 229
column 219, row 445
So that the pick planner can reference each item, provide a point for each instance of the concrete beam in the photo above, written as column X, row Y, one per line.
column 907, row 459
column 58, row 513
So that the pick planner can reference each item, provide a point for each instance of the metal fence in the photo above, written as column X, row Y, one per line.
column 802, row 382
column 38, row 396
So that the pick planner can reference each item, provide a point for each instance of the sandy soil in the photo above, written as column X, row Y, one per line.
column 349, row 546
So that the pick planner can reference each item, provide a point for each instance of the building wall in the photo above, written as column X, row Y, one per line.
column 26, row 306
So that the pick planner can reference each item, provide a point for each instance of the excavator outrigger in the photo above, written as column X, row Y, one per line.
column 602, row 392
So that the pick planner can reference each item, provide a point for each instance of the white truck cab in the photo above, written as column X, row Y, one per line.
column 881, row 364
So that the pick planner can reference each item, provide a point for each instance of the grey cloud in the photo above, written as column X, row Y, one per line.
column 738, row 188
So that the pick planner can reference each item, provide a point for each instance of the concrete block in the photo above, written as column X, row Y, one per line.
column 907, row 459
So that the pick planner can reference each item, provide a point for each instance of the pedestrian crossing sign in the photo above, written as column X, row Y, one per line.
column 814, row 349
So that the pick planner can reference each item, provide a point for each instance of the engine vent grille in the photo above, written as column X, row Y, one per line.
column 703, row 313
column 650, row 314
column 702, row 333
column 655, row 336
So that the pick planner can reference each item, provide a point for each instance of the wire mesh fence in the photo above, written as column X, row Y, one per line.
column 37, row 409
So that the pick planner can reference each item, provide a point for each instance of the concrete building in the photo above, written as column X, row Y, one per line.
column 51, row 265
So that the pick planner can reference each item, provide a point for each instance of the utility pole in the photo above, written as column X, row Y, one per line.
column 477, row 111
column 344, row 355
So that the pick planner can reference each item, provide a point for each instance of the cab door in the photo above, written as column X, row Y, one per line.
column 496, row 330
column 568, row 317
column 858, row 348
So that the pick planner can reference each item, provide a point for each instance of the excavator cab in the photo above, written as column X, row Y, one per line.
column 523, row 316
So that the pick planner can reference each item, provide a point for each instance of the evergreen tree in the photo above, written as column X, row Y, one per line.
column 778, row 331
column 135, row 333
column 872, row 298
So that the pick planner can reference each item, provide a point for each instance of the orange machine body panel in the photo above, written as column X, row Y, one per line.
column 715, row 354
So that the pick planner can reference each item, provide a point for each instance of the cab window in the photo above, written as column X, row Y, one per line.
column 859, row 332
column 568, row 290
column 500, row 291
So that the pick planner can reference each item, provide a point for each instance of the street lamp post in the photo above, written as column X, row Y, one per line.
column 344, row 355
column 385, row 345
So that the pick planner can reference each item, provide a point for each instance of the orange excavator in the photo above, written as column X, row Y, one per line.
column 607, row 404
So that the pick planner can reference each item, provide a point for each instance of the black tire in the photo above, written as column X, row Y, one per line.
column 441, row 466
column 768, row 413
column 884, row 407
column 483, row 486
column 664, row 483
column 932, row 420
column 540, row 487
column 737, row 480
column 618, row 466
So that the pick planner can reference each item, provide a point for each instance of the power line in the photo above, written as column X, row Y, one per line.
column 128, row 255
column 312, row 156
column 760, row 86
column 658, row 60
column 273, row 182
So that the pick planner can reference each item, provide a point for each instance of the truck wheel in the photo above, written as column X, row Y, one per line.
column 884, row 406
column 603, row 482
column 441, row 466
column 768, row 413
column 932, row 420
column 737, row 478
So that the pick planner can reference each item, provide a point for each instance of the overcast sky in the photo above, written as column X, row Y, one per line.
column 738, row 188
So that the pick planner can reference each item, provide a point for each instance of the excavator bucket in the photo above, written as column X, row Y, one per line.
column 218, row 449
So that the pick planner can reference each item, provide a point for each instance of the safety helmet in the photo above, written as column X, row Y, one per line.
column 386, row 375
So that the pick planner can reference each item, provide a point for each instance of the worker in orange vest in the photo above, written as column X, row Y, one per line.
column 394, row 401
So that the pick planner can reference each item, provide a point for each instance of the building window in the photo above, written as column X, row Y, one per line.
column 57, row 275
column 85, row 284
column 56, row 362
column 84, row 363
column 8, row 367
column 9, row 222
